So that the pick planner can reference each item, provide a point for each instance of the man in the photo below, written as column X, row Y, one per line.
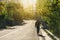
column 37, row 25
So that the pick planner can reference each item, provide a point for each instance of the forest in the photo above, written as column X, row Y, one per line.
column 49, row 11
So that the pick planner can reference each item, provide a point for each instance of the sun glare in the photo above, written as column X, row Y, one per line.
column 26, row 3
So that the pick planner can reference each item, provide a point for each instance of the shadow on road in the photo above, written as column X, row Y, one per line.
column 11, row 26
column 43, row 37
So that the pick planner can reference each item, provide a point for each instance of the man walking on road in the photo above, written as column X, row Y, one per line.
column 37, row 25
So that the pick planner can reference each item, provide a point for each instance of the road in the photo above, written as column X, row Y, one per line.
column 44, row 35
column 23, row 32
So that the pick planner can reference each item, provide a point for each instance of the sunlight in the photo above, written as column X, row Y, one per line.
column 26, row 3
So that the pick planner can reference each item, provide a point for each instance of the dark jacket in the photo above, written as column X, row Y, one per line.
column 37, row 24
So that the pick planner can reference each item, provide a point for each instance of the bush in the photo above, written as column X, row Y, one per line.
column 10, row 14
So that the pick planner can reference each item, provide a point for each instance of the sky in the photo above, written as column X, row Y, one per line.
column 26, row 3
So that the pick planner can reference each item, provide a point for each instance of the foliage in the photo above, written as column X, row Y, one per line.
column 2, row 14
column 49, row 11
column 55, row 17
column 10, row 13
column 14, row 11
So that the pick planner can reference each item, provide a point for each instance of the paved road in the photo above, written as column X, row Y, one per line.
column 24, row 32
column 44, row 35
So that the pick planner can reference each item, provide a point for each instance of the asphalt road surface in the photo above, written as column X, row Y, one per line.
column 23, row 32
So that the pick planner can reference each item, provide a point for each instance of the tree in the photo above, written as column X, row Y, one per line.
column 42, row 9
column 14, row 12
column 49, row 11
column 10, row 13
column 55, row 17
column 2, row 14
